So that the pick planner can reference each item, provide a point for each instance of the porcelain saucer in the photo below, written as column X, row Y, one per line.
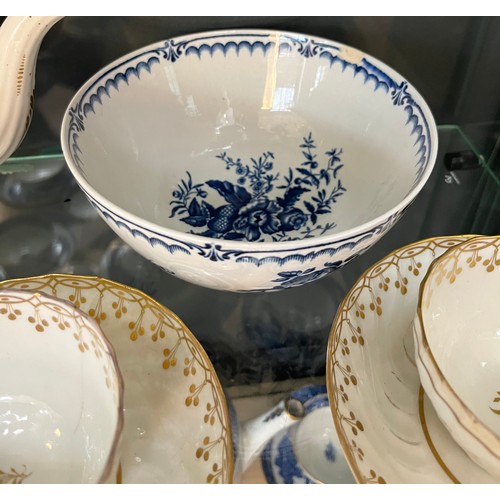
column 388, row 428
column 177, row 427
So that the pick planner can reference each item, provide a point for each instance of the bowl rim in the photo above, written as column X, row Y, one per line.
column 112, row 457
column 464, row 415
column 248, row 246
column 10, row 284
column 337, row 321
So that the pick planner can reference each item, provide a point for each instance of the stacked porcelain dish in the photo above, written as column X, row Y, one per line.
column 61, row 393
column 413, row 365
column 67, row 413
column 260, row 160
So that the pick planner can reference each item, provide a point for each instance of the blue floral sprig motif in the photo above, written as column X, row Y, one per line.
column 250, row 212
column 289, row 279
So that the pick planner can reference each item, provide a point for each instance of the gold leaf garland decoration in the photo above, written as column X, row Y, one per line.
column 366, row 300
column 193, row 399
column 44, row 312
column 13, row 476
column 496, row 399
column 374, row 478
column 154, row 322
column 482, row 251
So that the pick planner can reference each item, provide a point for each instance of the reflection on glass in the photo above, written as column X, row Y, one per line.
column 31, row 245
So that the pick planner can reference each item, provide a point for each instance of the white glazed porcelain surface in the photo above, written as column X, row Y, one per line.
column 387, row 426
column 318, row 449
column 264, row 155
column 457, row 331
column 176, row 421
column 301, row 444
column 20, row 39
column 60, row 393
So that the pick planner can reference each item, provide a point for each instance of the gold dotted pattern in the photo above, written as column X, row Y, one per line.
column 366, row 300
column 42, row 313
column 158, row 324
column 20, row 75
column 190, row 366
column 482, row 252
column 374, row 478
column 496, row 402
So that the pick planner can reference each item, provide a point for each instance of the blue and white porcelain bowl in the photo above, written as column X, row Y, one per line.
column 249, row 160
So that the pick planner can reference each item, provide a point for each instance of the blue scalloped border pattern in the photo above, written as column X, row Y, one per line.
column 173, row 50
column 215, row 251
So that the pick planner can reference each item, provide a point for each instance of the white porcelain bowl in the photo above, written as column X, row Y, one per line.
column 457, row 338
column 249, row 160
column 60, row 393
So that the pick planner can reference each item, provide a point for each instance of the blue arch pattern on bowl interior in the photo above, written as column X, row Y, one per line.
column 172, row 50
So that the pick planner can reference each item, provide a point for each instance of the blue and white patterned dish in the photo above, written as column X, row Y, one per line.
column 295, row 442
column 307, row 452
column 305, row 449
column 249, row 160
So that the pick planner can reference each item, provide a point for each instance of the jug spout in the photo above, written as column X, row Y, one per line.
column 20, row 39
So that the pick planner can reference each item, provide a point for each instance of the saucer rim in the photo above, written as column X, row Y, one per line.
column 93, row 279
column 349, row 455
column 483, row 435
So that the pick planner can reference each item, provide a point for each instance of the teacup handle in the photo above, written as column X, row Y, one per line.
column 20, row 40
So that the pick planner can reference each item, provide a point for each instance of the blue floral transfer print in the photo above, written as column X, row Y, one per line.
column 250, row 211
column 290, row 279
column 330, row 453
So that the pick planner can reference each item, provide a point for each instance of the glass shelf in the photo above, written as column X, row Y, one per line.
column 262, row 345
column 259, row 343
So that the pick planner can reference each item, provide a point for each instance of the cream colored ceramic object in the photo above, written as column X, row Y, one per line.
column 177, row 427
column 61, row 393
column 388, row 428
column 20, row 39
column 457, row 334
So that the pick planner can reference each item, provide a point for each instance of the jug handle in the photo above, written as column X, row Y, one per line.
column 20, row 40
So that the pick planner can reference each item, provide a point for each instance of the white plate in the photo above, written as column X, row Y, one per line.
column 387, row 426
column 176, row 420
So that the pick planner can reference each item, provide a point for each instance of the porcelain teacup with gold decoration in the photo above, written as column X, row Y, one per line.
column 61, row 393
column 457, row 340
